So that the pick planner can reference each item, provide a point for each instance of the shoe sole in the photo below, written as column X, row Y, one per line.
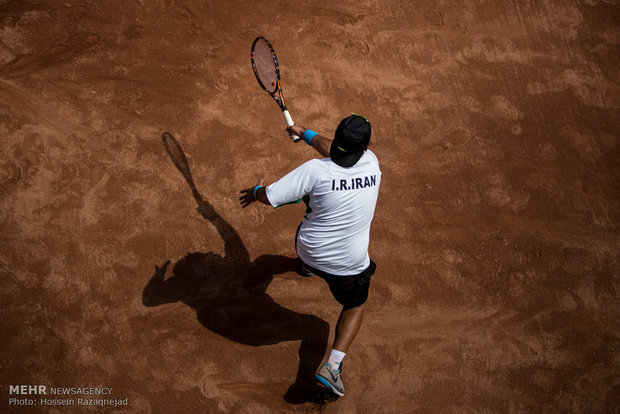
column 322, row 381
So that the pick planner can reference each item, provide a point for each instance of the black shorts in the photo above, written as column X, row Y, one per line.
column 349, row 291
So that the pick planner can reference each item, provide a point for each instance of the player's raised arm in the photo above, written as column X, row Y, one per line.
column 316, row 141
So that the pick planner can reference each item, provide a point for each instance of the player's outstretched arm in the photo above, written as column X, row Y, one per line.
column 318, row 142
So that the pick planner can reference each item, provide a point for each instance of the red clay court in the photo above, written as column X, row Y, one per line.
column 496, row 233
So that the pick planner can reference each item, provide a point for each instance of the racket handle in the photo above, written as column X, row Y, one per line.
column 289, row 122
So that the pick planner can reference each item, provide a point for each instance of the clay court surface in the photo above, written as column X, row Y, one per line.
column 497, row 232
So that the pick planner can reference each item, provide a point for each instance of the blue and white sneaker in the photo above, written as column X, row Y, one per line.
column 330, row 379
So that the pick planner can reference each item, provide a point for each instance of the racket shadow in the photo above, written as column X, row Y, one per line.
column 228, row 294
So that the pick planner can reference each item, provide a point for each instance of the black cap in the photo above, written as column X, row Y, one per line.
column 350, row 141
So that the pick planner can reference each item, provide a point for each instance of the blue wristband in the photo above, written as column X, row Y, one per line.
column 308, row 135
column 255, row 189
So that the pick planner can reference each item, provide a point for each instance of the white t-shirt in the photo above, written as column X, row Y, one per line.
column 335, row 234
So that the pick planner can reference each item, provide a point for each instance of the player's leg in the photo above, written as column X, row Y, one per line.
column 348, row 326
column 352, row 295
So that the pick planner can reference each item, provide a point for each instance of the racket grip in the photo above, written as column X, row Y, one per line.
column 289, row 122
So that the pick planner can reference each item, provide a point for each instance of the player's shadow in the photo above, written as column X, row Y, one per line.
column 228, row 294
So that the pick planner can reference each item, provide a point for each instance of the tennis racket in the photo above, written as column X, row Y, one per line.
column 267, row 72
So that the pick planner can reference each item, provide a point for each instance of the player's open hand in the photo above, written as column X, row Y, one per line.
column 247, row 197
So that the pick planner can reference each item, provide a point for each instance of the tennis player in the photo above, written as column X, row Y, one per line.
column 341, row 192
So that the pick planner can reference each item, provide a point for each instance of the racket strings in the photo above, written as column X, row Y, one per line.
column 265, row 66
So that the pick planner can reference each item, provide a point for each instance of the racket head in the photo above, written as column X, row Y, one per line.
column 265, row 65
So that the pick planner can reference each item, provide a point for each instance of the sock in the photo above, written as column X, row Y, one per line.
column 335, row 359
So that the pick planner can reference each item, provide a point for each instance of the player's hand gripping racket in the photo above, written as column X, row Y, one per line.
column 267, row 72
